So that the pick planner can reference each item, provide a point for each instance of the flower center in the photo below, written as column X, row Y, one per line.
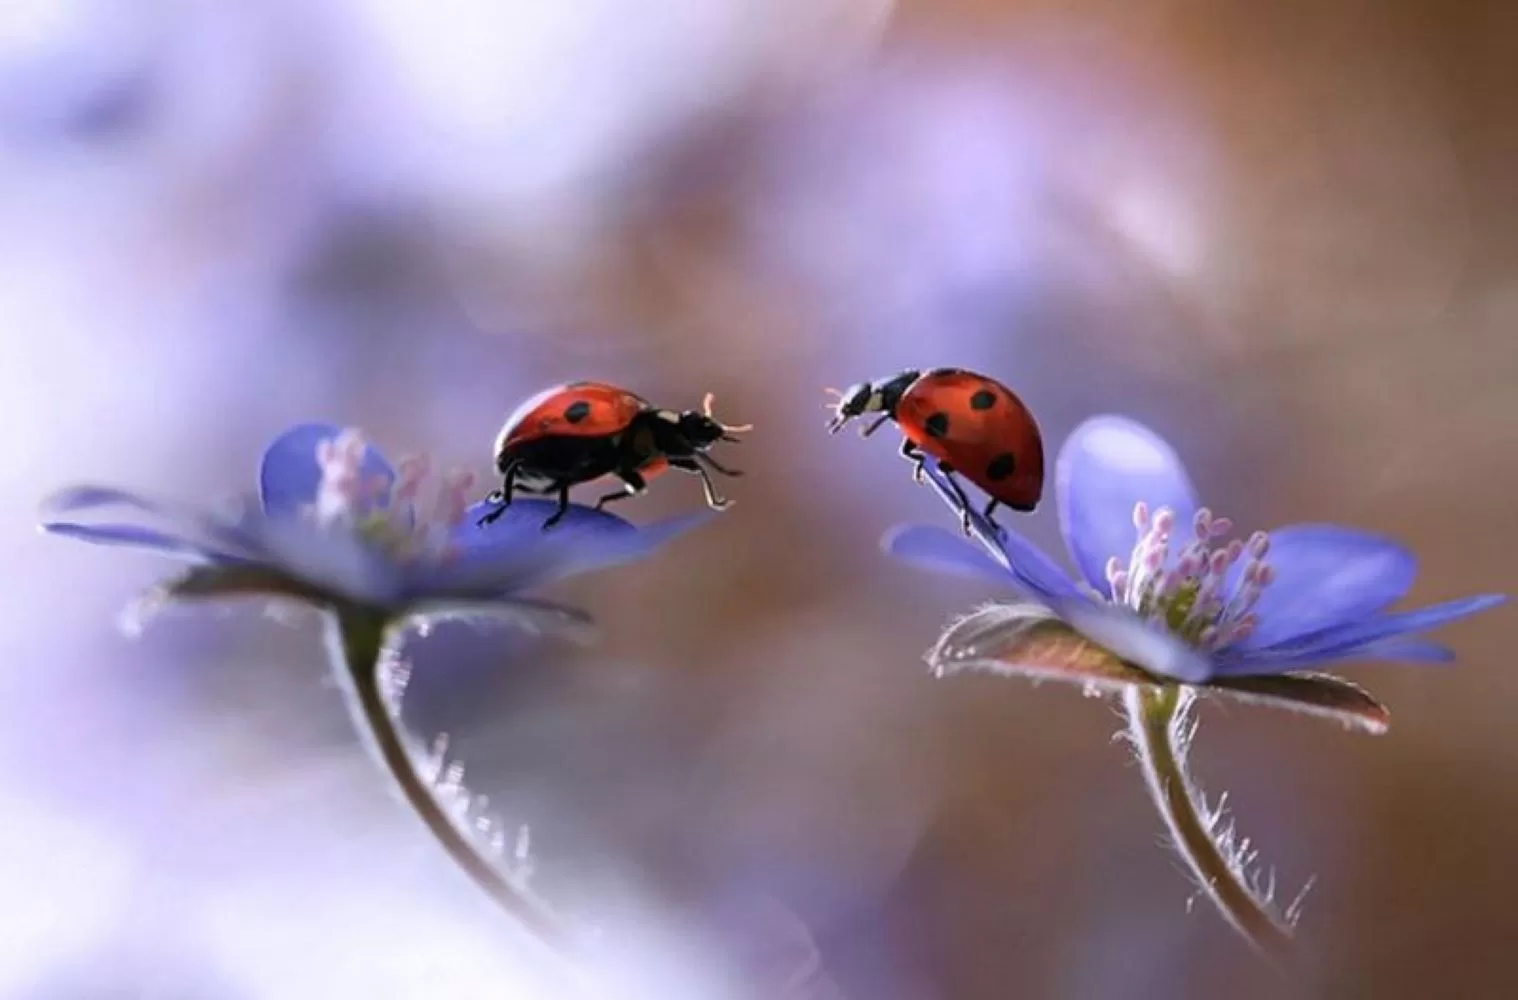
column 392, row 515
column 1192, row 595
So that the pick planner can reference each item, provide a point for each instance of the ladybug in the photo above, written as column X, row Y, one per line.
column 583, row 431
column 969, row 423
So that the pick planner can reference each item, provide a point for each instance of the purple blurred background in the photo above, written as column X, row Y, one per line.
column 1285, row 234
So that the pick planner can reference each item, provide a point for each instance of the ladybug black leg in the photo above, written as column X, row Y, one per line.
column 913, row 454
column 960, row 499
column 714, row 500
column 635, row 487
column 501, row 498
column 558, row 515
column 990, row 510
column 717, row 466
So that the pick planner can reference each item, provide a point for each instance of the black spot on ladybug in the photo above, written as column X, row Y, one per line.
column 1001, row 466
column 937, row 424
column 983, row 400
column 577, row 411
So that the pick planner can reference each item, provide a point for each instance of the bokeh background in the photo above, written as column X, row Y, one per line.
column 1285, row 234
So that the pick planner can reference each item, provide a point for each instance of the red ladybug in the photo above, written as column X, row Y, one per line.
column 584, row 431
column 970, row 423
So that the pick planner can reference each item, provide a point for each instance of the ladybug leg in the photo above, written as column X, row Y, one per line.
column 913, row 454
column 635, row 486
column 501, row 497
column 714, row 500
column 962, row 501
column 558, row 515
column 716, row 466
column 872, row 428
column 990, row 510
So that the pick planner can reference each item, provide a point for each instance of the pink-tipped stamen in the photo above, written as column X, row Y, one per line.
column 1206, row 572
column 388, row 513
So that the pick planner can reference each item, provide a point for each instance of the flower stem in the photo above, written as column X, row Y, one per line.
column 357, row 642
column 1156, row 725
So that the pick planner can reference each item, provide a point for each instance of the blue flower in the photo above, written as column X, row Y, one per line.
column 1162, row 586
column 373, row 548
column 337, row 526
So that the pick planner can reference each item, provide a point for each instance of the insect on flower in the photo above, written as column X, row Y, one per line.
column 1165, row 586
column 1170, row 604
column 962, row 422
column 337, row 528
column 586, row 431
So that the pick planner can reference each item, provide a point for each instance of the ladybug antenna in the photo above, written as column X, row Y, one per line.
column 706, row 408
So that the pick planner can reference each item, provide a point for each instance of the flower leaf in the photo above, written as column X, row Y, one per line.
column 1322, row 695
column 222, row 581
column 535, row 617
column 1029, row 640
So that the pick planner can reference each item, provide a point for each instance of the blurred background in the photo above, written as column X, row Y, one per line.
column 1284, row 234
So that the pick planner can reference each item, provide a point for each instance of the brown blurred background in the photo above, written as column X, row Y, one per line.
column 1284, row 234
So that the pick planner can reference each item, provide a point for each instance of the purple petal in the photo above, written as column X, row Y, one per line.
column 132, row 537
column 1106, row 466
column 1037, row 572
column 194, row 529
column 604, row 550
column 1327, row 576
column 336, row 560
column 1141, row 642
column 1402, row 650
column 1336, row 640
column 522, row 555
column 1248, row 663
column 1031, row 570
column 523, row 522
column 81, row 498
column 940, row 551
column 288, row 475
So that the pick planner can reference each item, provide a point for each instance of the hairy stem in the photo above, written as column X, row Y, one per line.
column 1156, row 725
column 357, row 643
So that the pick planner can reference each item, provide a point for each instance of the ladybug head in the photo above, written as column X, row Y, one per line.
column 700, row 430
column 879, row 396
column 703, row 430
column 854, row 401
